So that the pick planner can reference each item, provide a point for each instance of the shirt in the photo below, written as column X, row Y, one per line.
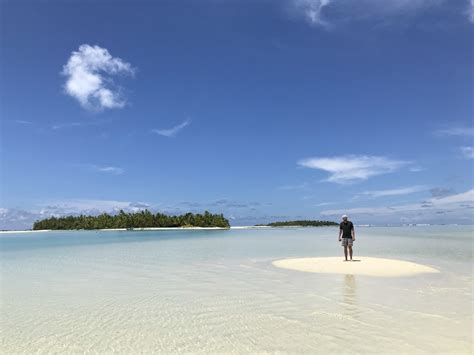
column 347, row 228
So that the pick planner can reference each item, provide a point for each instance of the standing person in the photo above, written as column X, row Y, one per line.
column 346, row 231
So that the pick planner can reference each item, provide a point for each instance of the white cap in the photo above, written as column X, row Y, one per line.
column 344, row 216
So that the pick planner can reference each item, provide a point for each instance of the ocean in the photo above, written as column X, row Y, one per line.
column 216, row 291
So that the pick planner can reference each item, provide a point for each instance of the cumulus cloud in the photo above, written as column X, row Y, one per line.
column 89, row 72
column 393, row 192
column 172, row 132
column 352, row 168
column 467, row 152
column 84, row 206
column 12, row 218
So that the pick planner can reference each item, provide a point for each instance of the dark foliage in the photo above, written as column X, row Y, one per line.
column 302, row 223
column 143, row 219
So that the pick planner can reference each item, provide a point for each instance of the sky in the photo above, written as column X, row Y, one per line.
column 261, row 110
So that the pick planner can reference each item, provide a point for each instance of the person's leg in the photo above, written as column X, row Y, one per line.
column 345, row 251
column 350, row 251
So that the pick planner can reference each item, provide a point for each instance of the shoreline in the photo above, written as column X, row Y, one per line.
column 113, row 229
column 155, row 229
column 213, row 228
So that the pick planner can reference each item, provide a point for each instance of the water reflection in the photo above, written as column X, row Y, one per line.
column 349, row 296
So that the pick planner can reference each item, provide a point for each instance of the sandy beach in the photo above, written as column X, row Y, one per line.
column 115, row 229
column 362, row 265
column 25, row 231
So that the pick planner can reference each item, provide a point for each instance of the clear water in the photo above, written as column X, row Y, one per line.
column 217, row 292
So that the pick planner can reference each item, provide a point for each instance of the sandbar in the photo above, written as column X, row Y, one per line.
column 362, row 265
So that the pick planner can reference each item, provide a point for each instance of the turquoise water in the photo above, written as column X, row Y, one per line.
column 218, row 292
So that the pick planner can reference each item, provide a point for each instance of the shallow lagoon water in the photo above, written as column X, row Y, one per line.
column 218, row 292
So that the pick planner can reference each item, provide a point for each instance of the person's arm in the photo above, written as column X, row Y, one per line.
column 340, row 233
column 353, row 233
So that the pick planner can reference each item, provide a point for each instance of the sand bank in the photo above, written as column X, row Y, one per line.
column 25, row 231
column 363, row 266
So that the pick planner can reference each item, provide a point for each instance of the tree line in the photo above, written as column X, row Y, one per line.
column 301, row 223
column 142, row 219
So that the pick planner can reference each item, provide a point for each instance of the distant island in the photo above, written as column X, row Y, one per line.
column 143, row 219
column 302, row 223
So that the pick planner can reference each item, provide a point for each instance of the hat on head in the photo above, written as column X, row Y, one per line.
column 344, row 216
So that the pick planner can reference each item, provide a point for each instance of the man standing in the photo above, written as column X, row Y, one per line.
column 346, row 231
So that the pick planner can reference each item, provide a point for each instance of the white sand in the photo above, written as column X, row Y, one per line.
column 365, row 266
column 25, row 231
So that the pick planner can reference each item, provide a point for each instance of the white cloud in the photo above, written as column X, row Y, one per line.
column 352, row 168
column 172, row 132
column 470, row 11
column 467, row 152
column 294, row 187
column 456, row 131
column 394, row 192
column 328, row 13
column 110, row 170
column 416, row 169
column 89, row 74
column 11, row 218
column 324, row 204
column 62, row 125
column 85, row 206
column 312, row 10
column 66, row 125
column 459, row 207
column 23, row 122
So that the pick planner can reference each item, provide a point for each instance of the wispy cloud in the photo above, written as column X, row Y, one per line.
column 324, row 204
column 106, row 169
column 312, row 10
column 109, row 170
column 467, row 152
column 89, row 73
column 172, row 132
column 24, row 122
column 294, row 187
column 416, row 169
column 457, row 207
column 64, row 125
column 329, row 13
column 470, row 11
column 456, row 131
column 394, row 192
column 352, row 168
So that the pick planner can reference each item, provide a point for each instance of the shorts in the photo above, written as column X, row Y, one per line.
column 347, row 242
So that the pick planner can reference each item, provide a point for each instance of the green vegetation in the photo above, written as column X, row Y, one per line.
column 143, row 219
column 303, row 223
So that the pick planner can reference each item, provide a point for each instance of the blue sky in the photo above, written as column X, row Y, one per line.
column 262, row 110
